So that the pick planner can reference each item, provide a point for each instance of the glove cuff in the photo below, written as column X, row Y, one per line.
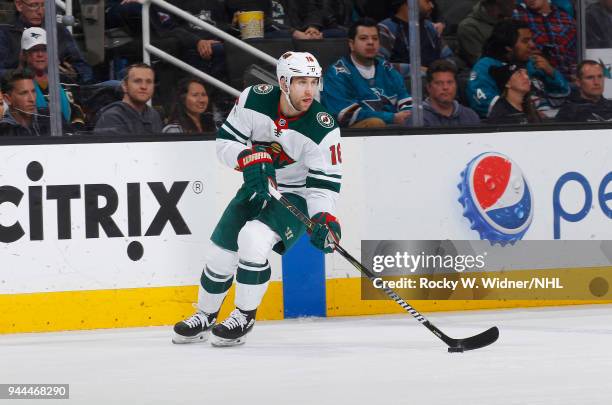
column 325, row 218
column 250, row 157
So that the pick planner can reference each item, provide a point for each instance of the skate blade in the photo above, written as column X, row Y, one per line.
column 221, row 342
column 199, row 338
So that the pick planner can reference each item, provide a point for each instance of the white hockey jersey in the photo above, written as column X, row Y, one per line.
column 305, row 149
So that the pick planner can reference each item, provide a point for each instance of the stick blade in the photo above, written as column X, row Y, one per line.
column 483, row 339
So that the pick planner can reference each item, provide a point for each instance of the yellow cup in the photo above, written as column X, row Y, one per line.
column 251, row 24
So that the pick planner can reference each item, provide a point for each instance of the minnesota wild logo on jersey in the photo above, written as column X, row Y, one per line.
column 263, row 88
column 325, row 119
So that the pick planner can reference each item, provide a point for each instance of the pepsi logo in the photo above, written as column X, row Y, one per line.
column 496, row 198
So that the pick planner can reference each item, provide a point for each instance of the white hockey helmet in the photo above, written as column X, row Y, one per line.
column 292, row 64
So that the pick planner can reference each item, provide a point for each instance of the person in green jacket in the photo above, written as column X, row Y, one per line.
column 476, row 28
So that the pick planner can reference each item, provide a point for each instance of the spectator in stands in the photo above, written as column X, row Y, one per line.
column 599, row 24
column 441, row 109
column 379, row 10
column 395, row 43
column 188, row 113
column 2, row 108
column 317, row 19
column 363, row 90
column 554, row 33
column 132, row 115
column 31, row 14
column 511, row 42
column 476, row 28
column 590, row 105
column 34, row 60
column 514, row 106
column 175, row 35
column 22, row 117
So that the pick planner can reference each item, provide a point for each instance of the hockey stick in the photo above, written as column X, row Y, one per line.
column 454, row 345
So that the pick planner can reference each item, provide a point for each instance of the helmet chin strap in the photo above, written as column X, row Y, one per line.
column 286, row 93
column 289, row 101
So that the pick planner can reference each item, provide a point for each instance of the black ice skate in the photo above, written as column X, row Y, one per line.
column 194, row 329
column 233, row 330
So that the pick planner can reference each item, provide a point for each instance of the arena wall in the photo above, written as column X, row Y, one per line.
column 114, row 234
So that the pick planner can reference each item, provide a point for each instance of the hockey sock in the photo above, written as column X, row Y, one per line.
column 251, row 284
column 212, row 291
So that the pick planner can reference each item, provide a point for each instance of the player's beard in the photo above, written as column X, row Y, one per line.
column 298, row 104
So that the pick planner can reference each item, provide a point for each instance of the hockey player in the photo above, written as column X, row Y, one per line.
column 272, row 133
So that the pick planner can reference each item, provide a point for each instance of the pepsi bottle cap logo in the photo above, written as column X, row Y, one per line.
column 496, row 198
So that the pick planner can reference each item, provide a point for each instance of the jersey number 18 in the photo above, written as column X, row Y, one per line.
column 336, row 154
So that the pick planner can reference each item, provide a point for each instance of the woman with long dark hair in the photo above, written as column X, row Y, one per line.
column 189, row 109
column 515, row 105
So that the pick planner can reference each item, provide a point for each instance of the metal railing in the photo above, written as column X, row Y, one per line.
column 67, row 7
column 415, row 63
column 148, row 49
column 55, row 122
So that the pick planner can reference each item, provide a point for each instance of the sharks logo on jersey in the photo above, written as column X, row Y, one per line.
column 349, row 96
column 339, row 67
column 381, row 101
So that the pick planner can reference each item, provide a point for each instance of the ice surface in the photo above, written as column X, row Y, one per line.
column 547, row 356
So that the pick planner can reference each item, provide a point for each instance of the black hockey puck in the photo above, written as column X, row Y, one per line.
column 455, row 349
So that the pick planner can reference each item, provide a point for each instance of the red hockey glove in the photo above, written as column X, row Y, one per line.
column 257, row 167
